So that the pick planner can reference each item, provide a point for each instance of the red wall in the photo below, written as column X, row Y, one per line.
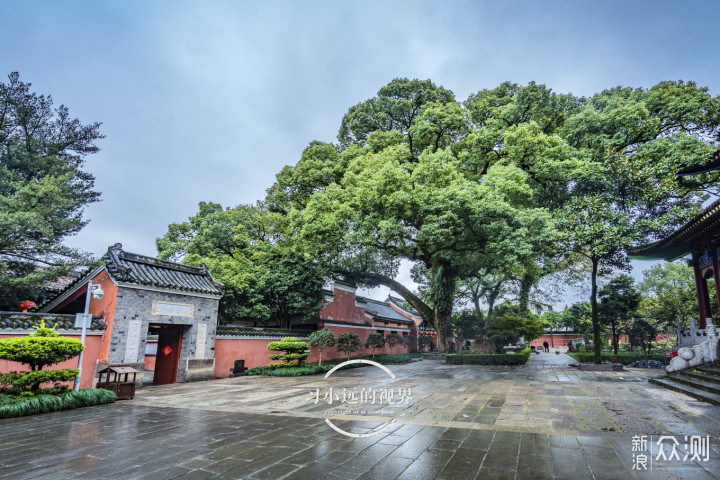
column 343, row 308
column 255, row 352
column 91, row 352
column 660, row 338
column 105, row 307
column 557, row 340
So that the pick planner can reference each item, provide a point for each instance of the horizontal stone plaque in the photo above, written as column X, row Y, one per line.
column 173, row 309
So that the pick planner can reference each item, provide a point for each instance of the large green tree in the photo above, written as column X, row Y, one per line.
column 43, row 190
column 410, row 192
column 669, row 295
column 631, row 143
column 268, row 279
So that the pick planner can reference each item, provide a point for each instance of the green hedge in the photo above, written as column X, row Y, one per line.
column 492, row 359
column 11, row 406
column 282, row 370
column 22, row 381
column 625, row 358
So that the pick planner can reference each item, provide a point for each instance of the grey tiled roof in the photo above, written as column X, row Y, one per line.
column 25, row 321
column 133, row 268
column 381, row 310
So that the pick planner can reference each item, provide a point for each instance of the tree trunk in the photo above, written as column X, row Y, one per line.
column 594, row 310
column 491, row 305
column 443, row 339
column 616, row 338
column 525, row 287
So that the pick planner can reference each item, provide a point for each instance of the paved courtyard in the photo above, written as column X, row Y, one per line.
column 541, row 420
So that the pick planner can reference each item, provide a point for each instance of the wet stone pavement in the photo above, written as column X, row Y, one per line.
column 543, row 420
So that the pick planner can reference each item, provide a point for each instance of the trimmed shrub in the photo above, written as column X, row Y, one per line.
column 40, row 349
column 375, row 341
column 17, row 383
column 295, row 350
column 11, row 407
column 321, row 339
column 492, row 359
column 282, row 370
column 348, row 342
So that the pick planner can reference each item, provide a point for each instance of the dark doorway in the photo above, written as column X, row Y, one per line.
column 168, row 354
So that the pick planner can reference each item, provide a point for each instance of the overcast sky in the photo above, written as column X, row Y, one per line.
column 208, row 100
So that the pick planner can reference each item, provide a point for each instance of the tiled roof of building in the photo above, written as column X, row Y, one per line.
column 381, row 310
column 677, row 243
column 25, row 321
column 403, row 305
column 712, row 164
column 133, row 268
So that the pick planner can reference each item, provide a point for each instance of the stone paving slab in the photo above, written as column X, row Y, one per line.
column 541, row 420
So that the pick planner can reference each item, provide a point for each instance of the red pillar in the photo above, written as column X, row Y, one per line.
column 716, row 275
column 702, row 291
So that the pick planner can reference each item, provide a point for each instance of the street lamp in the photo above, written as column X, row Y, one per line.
column 97, row 293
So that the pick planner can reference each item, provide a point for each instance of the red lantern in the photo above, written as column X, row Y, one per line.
column 25, row 304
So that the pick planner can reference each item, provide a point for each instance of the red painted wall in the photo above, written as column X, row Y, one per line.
column 255, row 352
column 105, row 307
column 557, row 340
column 660, row 338
column 343, row 308
column 92, row 350
column 150, row 361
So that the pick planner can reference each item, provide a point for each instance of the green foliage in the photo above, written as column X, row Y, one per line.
column 11, row 407
column 16, row 383
column 268, row 277
column 468, row 324
column 295, row 350
column 393, row 339
column 425, row 340
column 495, row 359
column 39, row 351
column 619, row 301
column 321, row 339
column 281, row 370
column 625, row 358
column 579, row 317
column 641, row 334
column 43, row 190
column 375, row 341
column 509, row 324
column 669, row 295
column 348, row 342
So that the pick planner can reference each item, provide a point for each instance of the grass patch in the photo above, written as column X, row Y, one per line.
column 488, row 359
column 19, row 406
column 314, row 368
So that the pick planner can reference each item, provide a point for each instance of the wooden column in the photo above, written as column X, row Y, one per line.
column 702, row 291
column 716, row 276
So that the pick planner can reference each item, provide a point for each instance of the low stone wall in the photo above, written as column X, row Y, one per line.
column 196, row 369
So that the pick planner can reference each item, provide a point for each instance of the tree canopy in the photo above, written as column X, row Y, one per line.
column 267, row 277
column 43, row 190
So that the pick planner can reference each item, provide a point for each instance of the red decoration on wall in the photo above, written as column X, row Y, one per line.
column 166, row 350
column 25, row 304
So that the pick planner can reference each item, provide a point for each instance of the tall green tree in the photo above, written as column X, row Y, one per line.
column 43, row 190
column 408, row 193
column 619, row 302
column 632, row 142
column 268, row 278
column 669, row 296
